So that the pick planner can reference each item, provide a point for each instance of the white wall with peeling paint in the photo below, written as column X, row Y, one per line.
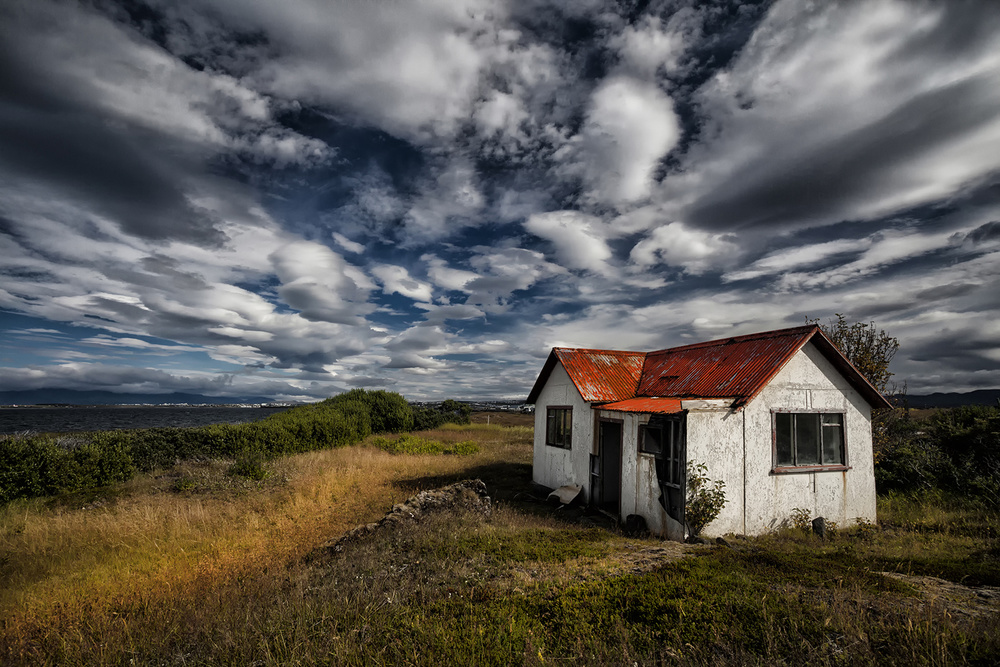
column 553, row 467
column 808, row 382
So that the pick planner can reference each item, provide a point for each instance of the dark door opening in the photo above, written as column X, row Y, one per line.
column 606, row 468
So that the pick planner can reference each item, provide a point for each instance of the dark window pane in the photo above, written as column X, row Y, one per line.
column 783, row 439
column 806, row 439
column 558, row 427
column 651, row 440
column 833, row 440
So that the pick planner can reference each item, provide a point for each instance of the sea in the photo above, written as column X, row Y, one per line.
column 112, row 417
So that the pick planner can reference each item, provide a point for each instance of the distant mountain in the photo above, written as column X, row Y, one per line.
column 953, row 400
column 77, row 397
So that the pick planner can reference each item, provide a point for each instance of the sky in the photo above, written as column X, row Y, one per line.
column 293, row 199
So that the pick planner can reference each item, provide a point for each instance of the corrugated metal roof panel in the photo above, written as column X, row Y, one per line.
column 644, row 405
column 732, row 367
column 602, row 375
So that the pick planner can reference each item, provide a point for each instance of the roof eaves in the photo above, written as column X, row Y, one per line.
column 850, row 372
column 543, row 376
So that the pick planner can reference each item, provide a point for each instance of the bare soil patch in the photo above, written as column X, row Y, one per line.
column 959, row 600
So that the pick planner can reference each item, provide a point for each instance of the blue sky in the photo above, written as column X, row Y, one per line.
column 292, row 199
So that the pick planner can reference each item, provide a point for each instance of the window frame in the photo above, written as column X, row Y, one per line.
column 550, row 439
column 784, row 469
column 672, row 436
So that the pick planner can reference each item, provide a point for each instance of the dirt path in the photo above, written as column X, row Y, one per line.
column 959, row 600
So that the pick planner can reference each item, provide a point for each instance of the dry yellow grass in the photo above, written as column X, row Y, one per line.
column 155, row 543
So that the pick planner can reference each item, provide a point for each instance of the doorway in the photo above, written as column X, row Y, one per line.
column 606, row 467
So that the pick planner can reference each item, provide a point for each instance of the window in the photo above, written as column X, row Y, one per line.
column 559, row 427
column 664, row 439
column 811, row 440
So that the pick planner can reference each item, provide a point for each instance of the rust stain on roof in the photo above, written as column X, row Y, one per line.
column 602, row 375
column 738, row 366
column 645, row 405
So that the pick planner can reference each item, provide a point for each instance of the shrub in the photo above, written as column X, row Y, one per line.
column 956, row 450
column 465, row 447
column 249, row 463
column 801, row 519
column 705, row 498
column 448, row 412
column 38, row 466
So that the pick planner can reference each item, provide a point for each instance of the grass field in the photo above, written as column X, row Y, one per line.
column 196, row 566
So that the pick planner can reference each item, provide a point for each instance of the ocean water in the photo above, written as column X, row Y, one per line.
column 112, row 417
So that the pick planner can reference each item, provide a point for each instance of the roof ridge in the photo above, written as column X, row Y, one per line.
column 760, row 335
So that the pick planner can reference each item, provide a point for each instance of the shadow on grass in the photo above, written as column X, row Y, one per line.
column 504, row 481
column 510, row 483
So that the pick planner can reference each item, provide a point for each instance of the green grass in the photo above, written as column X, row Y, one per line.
column 408, row 443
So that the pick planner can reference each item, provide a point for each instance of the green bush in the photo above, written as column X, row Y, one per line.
column 448, row 412
column 249, row 463
column 705, row 498
column 40, row 466
column 956, row 450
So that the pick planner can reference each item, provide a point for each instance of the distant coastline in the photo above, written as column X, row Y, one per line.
column 77, row 418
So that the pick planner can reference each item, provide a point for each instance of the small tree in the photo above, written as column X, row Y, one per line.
column 869, row 348
column 705, row 498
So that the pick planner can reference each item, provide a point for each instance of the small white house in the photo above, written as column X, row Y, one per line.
column 781, row 417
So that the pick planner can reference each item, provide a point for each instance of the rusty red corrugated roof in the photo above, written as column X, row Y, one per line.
column 737, row 367
column 731, row 367
column 645, row 405
column 602, row 375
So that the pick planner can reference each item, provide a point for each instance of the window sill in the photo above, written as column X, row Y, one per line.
column 794, row 470
column 564, row 447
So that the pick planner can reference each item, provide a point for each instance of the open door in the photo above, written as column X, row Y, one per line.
column 606, row 468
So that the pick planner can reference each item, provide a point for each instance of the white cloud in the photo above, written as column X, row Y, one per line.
column 503, row 271
column 347, row 244
column 133, row 80
column 579, row 239
column 794, row 257
column 319, row 283
column 450, row 201
column 411, row 69
column 444, row 276
column 650, row 44
column 690, row 249
column 883, row 249
column 396, row 279
column 630, row 125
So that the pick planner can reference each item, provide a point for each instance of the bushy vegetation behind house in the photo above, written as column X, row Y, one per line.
column 955, row 450
column 43, row 465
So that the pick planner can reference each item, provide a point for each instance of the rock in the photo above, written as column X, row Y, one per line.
column 469, row 495
column 819, row 526
column 635, row 526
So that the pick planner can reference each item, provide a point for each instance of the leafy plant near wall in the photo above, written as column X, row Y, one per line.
column 705, row 498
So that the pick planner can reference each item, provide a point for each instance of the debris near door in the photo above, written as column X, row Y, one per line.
column 565, row 495
column 469, row 495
